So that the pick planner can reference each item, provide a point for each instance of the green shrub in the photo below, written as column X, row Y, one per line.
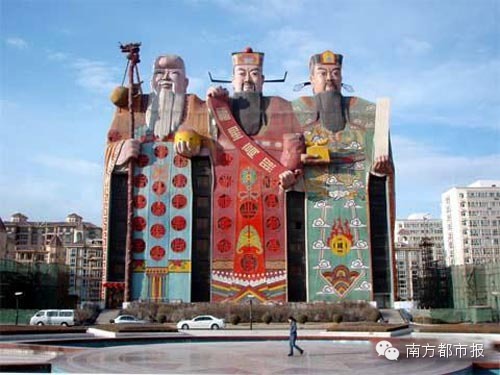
column 302, row 319
column 267, row 317
column 234, row 319
column 337, row 318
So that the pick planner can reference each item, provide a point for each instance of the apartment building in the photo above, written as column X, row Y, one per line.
column 471, row 223
column 419, row 246
column 73, row 242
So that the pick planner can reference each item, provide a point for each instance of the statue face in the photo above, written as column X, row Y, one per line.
column 248, row 78
column 326, row 77
column 170, row 76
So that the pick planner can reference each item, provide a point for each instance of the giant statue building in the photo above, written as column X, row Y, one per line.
column 245, row 195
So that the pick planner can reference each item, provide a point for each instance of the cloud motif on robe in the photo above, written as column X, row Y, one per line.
column 338, row 194
column 323, row 265
column 365, row 285
column 360, row 245
column 319, row 223
column 320, row 204
column 319, row 245
column 327, row 289
column 354, row 146
column 356, row 223
column 351, row 203
column 357, row 184
column 332, row 180
column 359, row 166
column 358, row 264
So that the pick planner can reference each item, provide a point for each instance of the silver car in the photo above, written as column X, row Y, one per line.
column 127, row 319
column 202, row 322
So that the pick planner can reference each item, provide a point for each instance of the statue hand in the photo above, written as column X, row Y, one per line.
column 383, row 165
column 288, row 178
column 186, row 149
column 218, row 92
column 130, row 149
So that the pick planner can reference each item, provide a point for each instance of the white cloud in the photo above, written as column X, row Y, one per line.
column 259, row 9
column 466, row 93
column 17, row 42
column 57, row 56
column 69, row 165
column 413, row 47
column 423, row 173
column 95, row 76
column 53, row 198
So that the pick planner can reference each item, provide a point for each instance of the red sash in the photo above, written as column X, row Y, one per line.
column 227, row 124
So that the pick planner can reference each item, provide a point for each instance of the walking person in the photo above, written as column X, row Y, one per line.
column 293, row 336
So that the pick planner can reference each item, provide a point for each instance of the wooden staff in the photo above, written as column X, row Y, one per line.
column 132, row 51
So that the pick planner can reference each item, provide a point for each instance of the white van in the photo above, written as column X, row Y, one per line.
column 54, row 317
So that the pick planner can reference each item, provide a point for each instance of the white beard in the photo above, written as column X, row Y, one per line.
column 165, row 112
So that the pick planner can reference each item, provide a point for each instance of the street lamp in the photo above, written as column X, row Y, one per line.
column 250, row 299
column 17, row 294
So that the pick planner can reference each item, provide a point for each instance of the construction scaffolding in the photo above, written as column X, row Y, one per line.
column 477, row 286
column 42, row 285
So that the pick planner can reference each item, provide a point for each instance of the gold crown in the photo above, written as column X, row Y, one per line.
column 248, row 57
column 327, row 57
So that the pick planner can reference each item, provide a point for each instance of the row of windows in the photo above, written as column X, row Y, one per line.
column 479, row 223
column 481, row 204
column 480, row 194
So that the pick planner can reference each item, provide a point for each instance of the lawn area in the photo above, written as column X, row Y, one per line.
column 365, row 326
column 460, row 328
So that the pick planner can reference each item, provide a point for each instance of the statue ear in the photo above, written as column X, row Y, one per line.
column 187, row 82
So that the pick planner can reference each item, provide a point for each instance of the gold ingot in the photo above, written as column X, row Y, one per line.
column 119, row 96
column 192, row 138
column 320, row 152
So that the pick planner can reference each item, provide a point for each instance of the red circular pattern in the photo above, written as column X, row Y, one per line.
column 224, row 223
column 140, row 181
column 224, row 201
column 158, row 231
column 157, row 253
column 273, row 223
column 225, row 159
column 225, row 180
column 161, row 152
column 178, row 245
column 179, row 181
column 138, row 223
column 138, row 245
column 224, row 246
column 140, row 201
column 248, row 209
column 179, row 201
column 158, row 208
column 273, row 245
column 142, row 160
column 180, row 161
column 178, row 223
column 271, row 200
column 159, row 187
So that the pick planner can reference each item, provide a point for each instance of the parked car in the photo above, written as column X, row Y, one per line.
column 53, row 317
column 202, row 322
column 127, row 319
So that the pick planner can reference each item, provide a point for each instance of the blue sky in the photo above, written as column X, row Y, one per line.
column 438, row 61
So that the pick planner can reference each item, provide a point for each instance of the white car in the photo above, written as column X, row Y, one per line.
column 202, row 322
column 127, row 319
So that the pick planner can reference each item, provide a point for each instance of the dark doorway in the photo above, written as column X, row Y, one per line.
column 202, row 191
column 380, row 237
column 296, row 247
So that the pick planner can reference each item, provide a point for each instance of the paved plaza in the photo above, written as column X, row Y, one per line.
column 265, row 354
